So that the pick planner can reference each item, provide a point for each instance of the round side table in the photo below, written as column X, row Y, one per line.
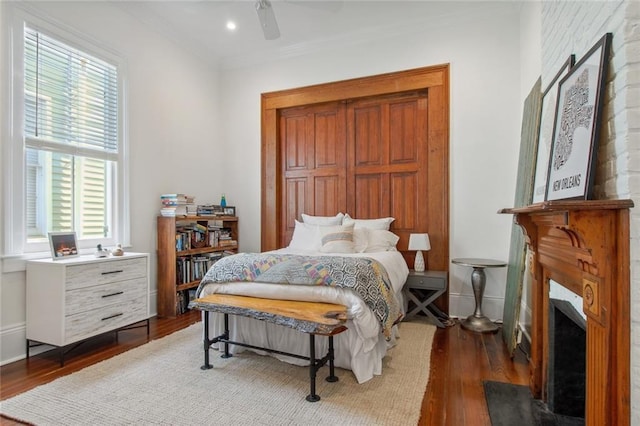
column 477, row 321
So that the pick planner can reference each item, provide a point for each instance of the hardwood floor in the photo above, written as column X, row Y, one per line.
column 460, row 361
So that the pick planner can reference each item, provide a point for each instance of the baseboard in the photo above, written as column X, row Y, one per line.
column 525, row 341
column 463, row 305
column 13, row 340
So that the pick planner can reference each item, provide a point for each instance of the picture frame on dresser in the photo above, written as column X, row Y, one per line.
column 577, row 125
column 63, row 245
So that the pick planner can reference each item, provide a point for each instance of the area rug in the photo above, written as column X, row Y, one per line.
column 161, row 383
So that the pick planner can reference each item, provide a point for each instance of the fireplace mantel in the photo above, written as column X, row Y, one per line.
column 584, row 246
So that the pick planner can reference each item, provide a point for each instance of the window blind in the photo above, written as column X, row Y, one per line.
column 75, row 97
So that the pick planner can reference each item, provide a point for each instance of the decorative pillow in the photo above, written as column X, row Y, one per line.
column 382, row 223
column 337, row 239
column 323, row 220
column 381, row 240
column 305, row 237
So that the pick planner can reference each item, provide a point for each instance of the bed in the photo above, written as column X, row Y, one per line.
column 355, row 264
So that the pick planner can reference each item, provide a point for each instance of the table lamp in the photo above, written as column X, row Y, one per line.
column 419, row 242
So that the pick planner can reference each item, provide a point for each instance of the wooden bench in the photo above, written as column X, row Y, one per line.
column 313, row 318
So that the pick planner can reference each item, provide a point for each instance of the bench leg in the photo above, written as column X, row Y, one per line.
column 313, row 368
column 207, row 365
column 332, row 376
column 226, row 336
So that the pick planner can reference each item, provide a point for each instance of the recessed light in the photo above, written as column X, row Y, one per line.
column 231, row 25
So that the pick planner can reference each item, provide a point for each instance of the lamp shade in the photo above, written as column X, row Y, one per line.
column 419, row 242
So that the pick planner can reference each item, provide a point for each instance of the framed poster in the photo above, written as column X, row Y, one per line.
column 577, row 125
column 545, row 134
column 63, row 245
column 523, row 195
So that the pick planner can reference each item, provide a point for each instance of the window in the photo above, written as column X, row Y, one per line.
column 67, row 136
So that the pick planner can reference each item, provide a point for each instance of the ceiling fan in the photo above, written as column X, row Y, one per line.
column 267, row 17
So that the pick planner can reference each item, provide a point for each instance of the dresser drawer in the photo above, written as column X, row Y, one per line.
column 427, row 281
column 87, row 324
column 90, row 274
column 96, row 297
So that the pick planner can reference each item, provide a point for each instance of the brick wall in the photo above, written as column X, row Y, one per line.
column 573, row 27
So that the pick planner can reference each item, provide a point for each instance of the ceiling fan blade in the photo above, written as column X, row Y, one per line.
column 326, row 5
column 267, row 19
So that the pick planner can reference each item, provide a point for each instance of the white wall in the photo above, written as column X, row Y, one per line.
column 172, row 104
column 486, row 109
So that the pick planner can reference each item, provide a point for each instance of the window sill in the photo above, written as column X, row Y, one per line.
column 18, row 262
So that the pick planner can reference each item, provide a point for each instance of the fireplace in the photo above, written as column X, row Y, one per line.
column 584, row 247
column 566, row 377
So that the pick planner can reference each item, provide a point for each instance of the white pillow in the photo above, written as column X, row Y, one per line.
column 382, row 223
column 360, row 239
column 323, row 220
column 381, row 240
column 337, row 239
column 305, row 237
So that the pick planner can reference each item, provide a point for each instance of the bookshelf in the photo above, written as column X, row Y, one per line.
column 187, row 247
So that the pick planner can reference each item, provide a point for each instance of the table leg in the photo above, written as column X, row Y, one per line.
column 424, row 305
column 477, row 321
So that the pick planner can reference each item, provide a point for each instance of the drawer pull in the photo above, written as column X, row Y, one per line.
column 112, row 316
column 113, row 294
column 113, row 272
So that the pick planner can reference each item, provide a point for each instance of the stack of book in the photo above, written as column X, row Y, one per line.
column 210, row 210
column 177, row 205
column 225, row 238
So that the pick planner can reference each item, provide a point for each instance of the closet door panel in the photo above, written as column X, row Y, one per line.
column 370, row 196
column 329, row 196
column 404, row 202
column 296, row 196
column 295, row 140
column 367, row 131
column 328, row 147
column 407, row 131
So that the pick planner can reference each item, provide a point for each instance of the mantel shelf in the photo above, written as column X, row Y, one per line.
column 570, row 205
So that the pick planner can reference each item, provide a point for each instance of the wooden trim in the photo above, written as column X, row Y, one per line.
column 394, row 82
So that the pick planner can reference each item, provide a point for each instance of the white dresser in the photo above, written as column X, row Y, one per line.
column 70, row 300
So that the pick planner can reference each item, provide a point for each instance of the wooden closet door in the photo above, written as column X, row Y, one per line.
column 313, row 146
column 388, row 152
column 414, row 166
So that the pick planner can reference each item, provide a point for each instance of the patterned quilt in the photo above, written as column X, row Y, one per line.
column 367, row 277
